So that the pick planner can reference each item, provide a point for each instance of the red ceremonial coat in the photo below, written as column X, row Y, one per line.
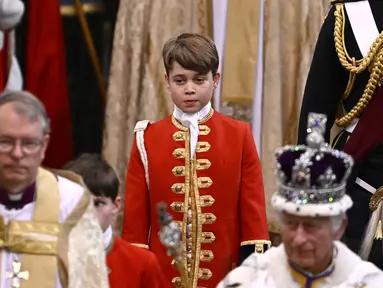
column 132, row 267
column 224, row 184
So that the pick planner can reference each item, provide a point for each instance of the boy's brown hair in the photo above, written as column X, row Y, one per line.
column 98, row 175
column 193, row 52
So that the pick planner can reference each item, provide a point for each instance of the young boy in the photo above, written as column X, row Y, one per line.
column 128, row 266
column 203, row 165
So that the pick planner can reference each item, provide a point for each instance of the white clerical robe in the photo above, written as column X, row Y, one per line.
column 85, row 251
column 271, row 270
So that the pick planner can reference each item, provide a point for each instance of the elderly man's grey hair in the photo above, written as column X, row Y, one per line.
column 26, row 104
column 337, row 221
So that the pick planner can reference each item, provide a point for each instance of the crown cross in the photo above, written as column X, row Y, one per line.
column 17, row 275
column 316, row 128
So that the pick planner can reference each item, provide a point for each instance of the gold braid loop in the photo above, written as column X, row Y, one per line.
column 361, row 65
column 375, row 76
column 374, row 57
column 351, row 82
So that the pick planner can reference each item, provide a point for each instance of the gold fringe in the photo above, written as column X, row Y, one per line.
column 379, row 232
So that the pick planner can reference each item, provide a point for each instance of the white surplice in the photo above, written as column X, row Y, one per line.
column 86, row 239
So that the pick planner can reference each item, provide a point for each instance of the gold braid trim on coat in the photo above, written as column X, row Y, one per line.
column 373, row 60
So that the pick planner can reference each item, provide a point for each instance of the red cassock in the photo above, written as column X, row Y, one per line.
column 132, row 267
column 221, row 190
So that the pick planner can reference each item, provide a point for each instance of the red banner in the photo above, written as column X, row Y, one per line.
column 46, row 75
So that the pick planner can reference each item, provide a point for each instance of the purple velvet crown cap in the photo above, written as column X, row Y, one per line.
column 312, row 173
column 320, row 164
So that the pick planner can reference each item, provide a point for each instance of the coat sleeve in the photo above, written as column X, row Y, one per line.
column 136, row 205
column 252, row 209
column 326, row 82
column 153, row 276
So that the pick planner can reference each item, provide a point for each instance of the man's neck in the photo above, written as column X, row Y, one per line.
column 14, row 187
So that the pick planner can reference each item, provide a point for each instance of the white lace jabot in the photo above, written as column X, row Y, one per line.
column 190, row 120
column 108, row 234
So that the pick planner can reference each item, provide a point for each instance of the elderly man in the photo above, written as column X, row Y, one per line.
column 312, row 203
column 49, row 236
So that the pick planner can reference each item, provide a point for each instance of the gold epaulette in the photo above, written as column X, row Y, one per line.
column 376, row 198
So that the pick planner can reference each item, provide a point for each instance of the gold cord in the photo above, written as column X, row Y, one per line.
column 374, row 59
column 351, row 82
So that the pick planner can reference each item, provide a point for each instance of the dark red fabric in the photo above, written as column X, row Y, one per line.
column 4, row 63
column 46, row 75
column 368, row 133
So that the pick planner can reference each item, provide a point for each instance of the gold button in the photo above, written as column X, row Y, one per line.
column 178, row 283
column 178, row 135
column 178, row 153
column 178, row 207
column 178, row 188
column 179, row 171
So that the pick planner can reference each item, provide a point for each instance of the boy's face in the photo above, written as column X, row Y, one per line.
column 189, row 90
column 106, row 209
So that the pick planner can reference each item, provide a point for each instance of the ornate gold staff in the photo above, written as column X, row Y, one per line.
column 170, row 237
column 91, row 49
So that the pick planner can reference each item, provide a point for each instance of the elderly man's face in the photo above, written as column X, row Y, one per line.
column 309, row 241
column 22, row 148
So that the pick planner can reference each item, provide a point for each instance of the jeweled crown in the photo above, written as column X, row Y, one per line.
column 313, row 173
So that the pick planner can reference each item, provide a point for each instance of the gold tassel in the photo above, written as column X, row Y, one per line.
column 378, row 233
